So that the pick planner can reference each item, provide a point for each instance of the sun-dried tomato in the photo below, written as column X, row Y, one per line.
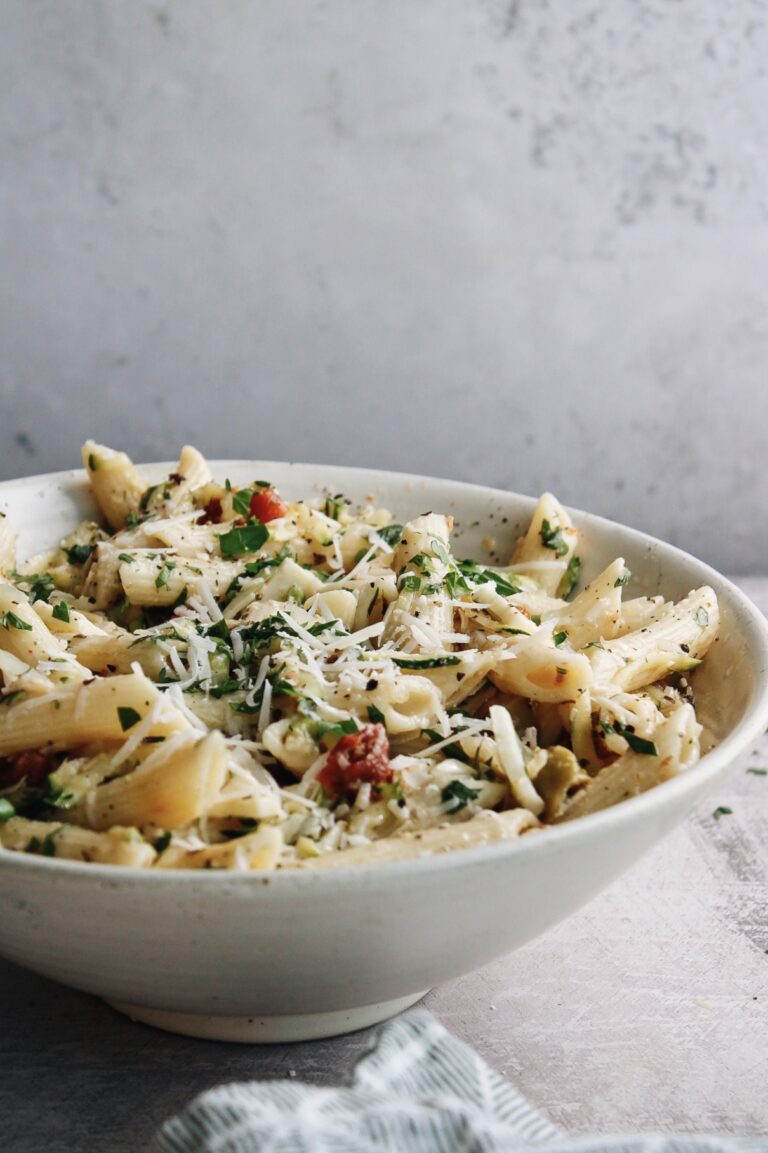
column 213, row 511
column 357, row 757
column 35, row 766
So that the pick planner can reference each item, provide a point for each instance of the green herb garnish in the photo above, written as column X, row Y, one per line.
column 40, row 585
column 128, row 717
column 458, row 795
column 9, row 620
column 553, row 538
column 391, row 534
column 146, row 497
column 61, row 611
column 504, row 582
column 248, row 538
column 409, row 582
column 161, row 580
column 79, row 553
column 334, row 506
column 425, row 662
column 637, row 744
column 569, row 578
column 48, row 847
column 722, row 811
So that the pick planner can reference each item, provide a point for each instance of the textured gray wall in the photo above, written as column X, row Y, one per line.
column 511, row 241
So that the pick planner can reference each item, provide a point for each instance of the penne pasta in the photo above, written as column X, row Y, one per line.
column 221, row 678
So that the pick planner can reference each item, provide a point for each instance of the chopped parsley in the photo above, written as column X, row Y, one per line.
column 456, row 583
column 41, row 585
column 61, row 611
column 224, row 688
column 410, row 582
column 181, row 599
column 425, row 662
column 79, row 553
column 9, row 620
column 570, row 577
column 458, row 795
column 334, row 506
column 334, row 626
column 162, row 842
column 126, row 557
column 146, row 497
column 128, row 717
column 57, row 796
column 93, row 462
column 637, row 744
column 722, row 811
column 241, row 501
column 245, row 539
column 391, row 534
column 439, row 550
column 161, row 580
column 758, row 772
column 559, row 638
column 319, row 728
column 504, row 582
column 375, row 715
column 48, row 848
column 624, row 579
column 552, row 537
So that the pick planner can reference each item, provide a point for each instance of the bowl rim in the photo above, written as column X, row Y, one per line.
column 711, row 765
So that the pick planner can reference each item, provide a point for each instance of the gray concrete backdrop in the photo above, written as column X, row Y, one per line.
column 513, row 241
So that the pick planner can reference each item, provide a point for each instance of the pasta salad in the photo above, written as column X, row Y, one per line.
column 214, row 677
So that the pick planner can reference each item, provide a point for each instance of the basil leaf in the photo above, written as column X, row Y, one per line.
column 248, row 538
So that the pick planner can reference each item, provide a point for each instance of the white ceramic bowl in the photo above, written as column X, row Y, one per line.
column 288, row 956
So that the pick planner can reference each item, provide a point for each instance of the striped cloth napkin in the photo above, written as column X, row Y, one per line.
column 420, row 1090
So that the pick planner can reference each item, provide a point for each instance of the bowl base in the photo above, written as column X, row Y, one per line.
column 260, row 1030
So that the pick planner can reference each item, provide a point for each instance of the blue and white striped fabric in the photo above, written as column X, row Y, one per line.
column 420, row 1090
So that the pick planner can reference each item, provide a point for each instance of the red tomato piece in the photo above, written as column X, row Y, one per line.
column 358, row 757
column 267, row 504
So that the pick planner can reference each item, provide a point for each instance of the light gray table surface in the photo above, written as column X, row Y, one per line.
column 648, row 1010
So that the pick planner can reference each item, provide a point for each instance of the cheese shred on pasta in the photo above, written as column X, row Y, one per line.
column 212, row 677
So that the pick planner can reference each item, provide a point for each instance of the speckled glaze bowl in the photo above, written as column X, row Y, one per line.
column 290, row 956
